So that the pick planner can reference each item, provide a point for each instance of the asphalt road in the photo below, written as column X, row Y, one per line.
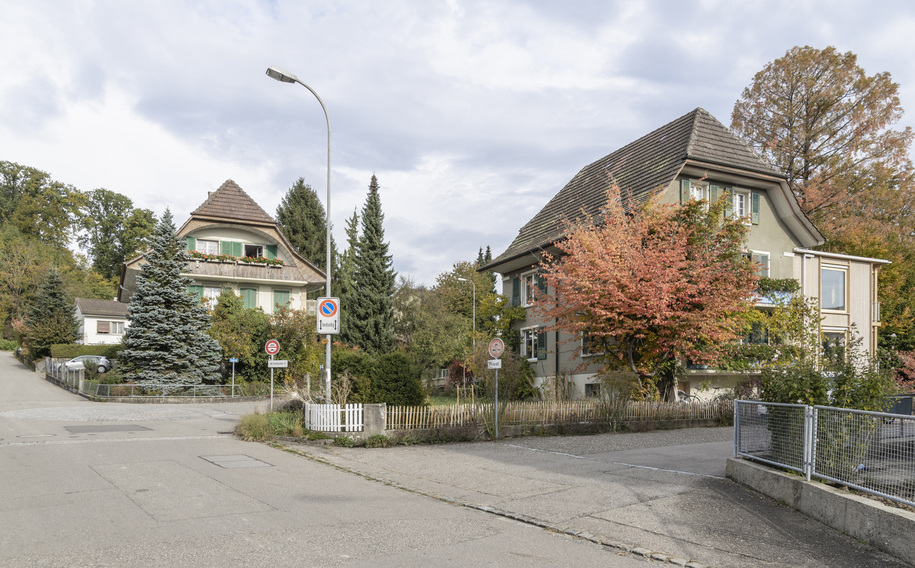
column 131, row 485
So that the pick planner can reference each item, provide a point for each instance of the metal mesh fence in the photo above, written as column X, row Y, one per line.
column 771, row 433
column 869, row 451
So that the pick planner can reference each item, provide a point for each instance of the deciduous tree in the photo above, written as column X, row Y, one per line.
column 650, row 285
column 113, row 230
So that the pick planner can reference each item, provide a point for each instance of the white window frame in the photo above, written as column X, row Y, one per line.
column 740, row 211
column 529, row 343
column 698, row 190
column 759, row 253
column 117, row 328
column 843, row 270
column 528, row 288
column 207, row 246
column 258, row 250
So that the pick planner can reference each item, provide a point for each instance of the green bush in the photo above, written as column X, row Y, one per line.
column 397, row 381
column 286, row 424
column 361, row 368
column 378, row 441
column 71, row 350
column 344, row 441
column 8, row 344
column 254, row 428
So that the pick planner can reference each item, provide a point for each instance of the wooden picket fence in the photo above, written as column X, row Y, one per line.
column 333, row 417
column 549, row 413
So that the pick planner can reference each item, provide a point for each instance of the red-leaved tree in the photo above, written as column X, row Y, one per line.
column 651, row 284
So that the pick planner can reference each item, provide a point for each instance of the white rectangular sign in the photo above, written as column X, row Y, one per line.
column 277, row 363
column 495, row 363
column 328, row 316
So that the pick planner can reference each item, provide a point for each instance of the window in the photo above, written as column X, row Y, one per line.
column 592, row 390
column 834, row 343
column 530, row 285
column 117, row 328
column 533, row 344
column 832, row 289
column 211, row 294
column 254, row 251
column 698, row 190
column 249, row 297
column 761, row 260
column 590, row 346
column 207, row 247
column 103, row 326
column 740, row 205
column 280, row 299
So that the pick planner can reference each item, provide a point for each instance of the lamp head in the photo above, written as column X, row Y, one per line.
column 463, row 280
column 280, row 75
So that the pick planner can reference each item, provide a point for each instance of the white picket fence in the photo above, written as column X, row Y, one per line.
column 333, row 417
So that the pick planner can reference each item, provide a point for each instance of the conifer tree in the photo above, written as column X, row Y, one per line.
column 372, row 304
column 303, row 220
column 166, row 342
column 51, row 318
column 345, row 271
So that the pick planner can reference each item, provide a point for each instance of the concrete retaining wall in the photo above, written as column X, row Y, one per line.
column 886, row 528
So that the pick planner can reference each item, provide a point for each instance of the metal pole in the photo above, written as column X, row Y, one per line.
column 496, row 406
column 233, row 378
column 271, row 386
column 287, row 77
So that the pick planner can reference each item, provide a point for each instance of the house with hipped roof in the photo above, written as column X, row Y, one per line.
column 233, row 243
column 692, row 157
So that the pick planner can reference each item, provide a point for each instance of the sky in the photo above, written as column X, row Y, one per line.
column 472, row 114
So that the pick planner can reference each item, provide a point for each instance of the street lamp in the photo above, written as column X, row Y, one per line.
column 474, row 337
column 286, row 77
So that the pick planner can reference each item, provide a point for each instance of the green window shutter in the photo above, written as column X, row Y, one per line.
column 541, row 345
column 249, row 297
column 516, row 291
column 280, row 298
column 196, row 291
column 191, row 243
column 231, row 248
column 754, row 208
column 684, row 191
column 713, row 194
column 271, row 251
column 729, row 205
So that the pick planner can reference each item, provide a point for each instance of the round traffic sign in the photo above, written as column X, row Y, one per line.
column 272, row 347
column 328, row 307
column 496, row 348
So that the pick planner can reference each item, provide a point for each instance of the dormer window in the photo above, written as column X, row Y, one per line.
column 207, row 247
column 254, row 251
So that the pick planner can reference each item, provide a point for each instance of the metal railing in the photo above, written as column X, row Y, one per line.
column 873, row 452
column 149, row 390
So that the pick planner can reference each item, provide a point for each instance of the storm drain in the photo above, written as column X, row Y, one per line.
column 108, row 428
column 235, row 461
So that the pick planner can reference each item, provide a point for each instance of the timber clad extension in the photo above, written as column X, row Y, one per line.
column 235, row 244
column 692, row 157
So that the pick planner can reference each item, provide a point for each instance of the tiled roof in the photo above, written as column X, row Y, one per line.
column 641, row 169
column 89, row 306
column 231, row 202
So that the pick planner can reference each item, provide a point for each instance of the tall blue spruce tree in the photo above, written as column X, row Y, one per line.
column 372, row 297
column 166, row 342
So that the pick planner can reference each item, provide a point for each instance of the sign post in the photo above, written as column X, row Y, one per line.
column 233, row 360
column 272, row 348
column 328, row 324
column 496, row 349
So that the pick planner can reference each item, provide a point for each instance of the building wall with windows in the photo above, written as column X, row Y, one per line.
column 101, row 322
column 233, row 244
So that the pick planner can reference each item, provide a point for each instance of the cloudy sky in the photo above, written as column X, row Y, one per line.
column 472, row 114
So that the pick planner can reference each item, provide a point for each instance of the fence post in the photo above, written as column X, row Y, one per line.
column 374, row 419
column 809, row 440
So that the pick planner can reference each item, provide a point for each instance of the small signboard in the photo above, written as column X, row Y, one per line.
column 496, row 348
column 328, row 316
column 272, row 347
column 233, row 360
column 277, row 363
column 494, row 364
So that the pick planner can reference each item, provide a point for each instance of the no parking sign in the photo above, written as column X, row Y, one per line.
column 329, row 316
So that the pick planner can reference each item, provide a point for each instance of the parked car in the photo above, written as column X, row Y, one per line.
column 102, row 364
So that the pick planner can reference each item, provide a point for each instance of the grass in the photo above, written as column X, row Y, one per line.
column 259, row 427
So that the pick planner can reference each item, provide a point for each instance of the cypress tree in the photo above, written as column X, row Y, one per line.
column 166, row 342
column 51, row 318
column 372, row 299
column 304, row 221
column 345, row 273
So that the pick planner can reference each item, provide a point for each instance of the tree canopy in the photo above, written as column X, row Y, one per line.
column 113, row 230
column 303, row 220
column 52, row 317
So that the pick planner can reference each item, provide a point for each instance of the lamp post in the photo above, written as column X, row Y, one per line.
column 286, row 77
column 473, row 337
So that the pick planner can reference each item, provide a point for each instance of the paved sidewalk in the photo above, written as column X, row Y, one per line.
column 661, row 493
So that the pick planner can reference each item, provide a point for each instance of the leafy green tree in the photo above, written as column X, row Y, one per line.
column 113, row 230
column 52, row 317
column 372, row 324
column 166, row 342
column 242, row 334
column 37, row 205
column 303, row 220
column 296, row 332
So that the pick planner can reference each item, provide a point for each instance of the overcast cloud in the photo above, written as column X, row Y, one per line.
column 472, row 114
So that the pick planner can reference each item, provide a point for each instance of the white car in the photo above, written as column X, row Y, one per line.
column 102, row 364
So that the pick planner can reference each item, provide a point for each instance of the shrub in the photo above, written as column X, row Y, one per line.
column 8, row 344
column 286, row 424
column 344, row 441
column 378, row 441
column 397, row 381
column 254, row 428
